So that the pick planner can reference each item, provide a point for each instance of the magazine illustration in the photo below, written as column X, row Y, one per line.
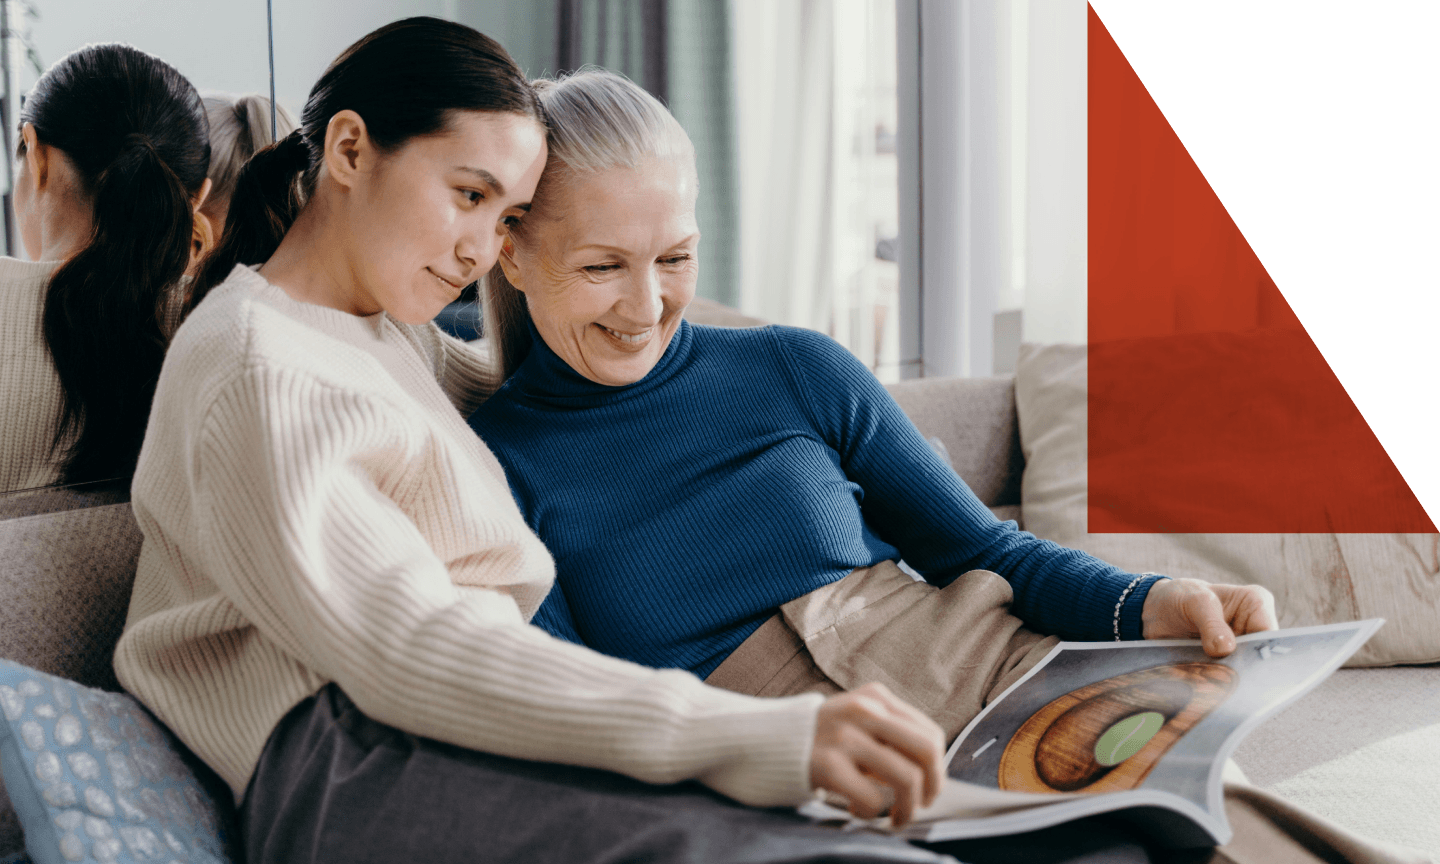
column 1142, row 729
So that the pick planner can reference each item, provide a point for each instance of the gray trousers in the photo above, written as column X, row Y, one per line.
column 335, row 786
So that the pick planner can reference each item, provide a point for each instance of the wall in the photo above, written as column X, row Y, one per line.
column 223, row 45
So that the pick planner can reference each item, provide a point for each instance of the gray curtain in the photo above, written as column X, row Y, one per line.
column 679, row 50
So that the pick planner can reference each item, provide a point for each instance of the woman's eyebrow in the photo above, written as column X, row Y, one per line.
column 599, row 247
column 485, row 176
column 618, row 249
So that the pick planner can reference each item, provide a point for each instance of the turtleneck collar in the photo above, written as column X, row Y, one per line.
column 545, row 378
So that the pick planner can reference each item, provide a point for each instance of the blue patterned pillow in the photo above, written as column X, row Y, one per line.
column 93, row 777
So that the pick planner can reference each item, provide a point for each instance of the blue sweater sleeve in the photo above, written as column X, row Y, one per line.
column 917, row 503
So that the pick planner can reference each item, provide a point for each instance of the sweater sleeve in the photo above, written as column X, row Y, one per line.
column 466, row 371
column 917, row 503
column 298, row 529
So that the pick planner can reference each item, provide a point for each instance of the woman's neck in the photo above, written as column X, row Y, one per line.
column 313, row 264
column 64, row 232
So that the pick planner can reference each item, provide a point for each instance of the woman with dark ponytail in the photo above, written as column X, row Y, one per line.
column 332, row 598
column 112, row 157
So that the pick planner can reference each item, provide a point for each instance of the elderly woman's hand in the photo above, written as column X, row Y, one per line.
column 1186, row 608
column 872, row 748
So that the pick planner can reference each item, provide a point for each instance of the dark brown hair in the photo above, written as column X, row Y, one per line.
column 404, row 80
column 135, row 130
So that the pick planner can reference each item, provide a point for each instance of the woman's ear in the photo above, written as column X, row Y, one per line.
column 37, row 156
column 203, row 195
column 507, row 264
column 348, row 152
column 202, row 239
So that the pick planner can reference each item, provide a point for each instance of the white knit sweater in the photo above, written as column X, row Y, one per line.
column 315, row 509
column 29, row 388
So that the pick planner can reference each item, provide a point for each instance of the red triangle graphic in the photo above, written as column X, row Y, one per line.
column 1210, row 408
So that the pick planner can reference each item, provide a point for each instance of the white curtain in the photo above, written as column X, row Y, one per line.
column 815, row 92
column 783, row 83
column 815, row 88
column 1056, row 216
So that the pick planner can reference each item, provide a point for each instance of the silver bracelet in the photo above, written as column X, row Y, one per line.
column 1121, row 601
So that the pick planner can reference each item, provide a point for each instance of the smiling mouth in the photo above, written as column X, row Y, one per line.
column 630, row 339
column 456, row 286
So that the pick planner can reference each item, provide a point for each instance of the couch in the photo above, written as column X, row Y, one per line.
column 1362, row 737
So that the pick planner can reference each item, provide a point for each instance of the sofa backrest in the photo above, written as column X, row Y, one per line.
column 65, row 576
column 975, row 419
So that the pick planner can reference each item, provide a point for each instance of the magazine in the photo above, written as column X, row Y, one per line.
column 1139, row 729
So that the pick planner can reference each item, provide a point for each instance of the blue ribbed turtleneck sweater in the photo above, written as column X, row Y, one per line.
column 749, row 468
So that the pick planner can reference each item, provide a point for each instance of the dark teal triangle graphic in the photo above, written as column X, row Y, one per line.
column 1318, row 126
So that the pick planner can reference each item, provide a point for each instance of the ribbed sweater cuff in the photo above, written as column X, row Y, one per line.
column 764, row 757
column 1131, row 624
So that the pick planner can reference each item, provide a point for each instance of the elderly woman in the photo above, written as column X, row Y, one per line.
column 734, row 502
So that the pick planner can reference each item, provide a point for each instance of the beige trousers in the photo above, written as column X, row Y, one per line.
column 946, row 651
column 949, row 651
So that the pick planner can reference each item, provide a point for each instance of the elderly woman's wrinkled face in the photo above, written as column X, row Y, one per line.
column 608, row 270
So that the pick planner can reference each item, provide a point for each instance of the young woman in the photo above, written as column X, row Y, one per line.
column 111, row 167
column 331, row 601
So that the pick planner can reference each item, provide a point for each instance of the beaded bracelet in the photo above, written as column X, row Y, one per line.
column 1123, row 595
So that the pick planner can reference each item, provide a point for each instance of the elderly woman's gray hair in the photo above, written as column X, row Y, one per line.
column 239, row 126
column 598, row 120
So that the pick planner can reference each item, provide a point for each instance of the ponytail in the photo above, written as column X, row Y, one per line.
column 239, row 128
column 134, row 130
column 104, row 310
column 507, row 321
column 268, row 197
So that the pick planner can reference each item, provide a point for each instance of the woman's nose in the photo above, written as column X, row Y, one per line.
column 479, row 250
column 642, row 302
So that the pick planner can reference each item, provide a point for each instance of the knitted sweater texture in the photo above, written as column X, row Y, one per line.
column 315, row 509
column 30, row 394
column 748, row 468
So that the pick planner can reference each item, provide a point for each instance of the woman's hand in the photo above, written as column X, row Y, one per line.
column 871, row 746
column 1186, row 608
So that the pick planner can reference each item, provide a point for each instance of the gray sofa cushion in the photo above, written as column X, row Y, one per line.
column 65, row 582
column 1361, row 750
column 64, row 590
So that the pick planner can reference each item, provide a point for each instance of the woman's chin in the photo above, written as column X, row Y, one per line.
column 619, row 373
column 416, row 314
column 615, row 363
column 419, row 308
column 612, row 368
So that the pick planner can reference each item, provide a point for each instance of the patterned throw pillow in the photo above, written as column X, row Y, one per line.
column 94, row 778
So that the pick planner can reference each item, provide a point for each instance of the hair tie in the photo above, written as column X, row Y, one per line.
column 137, row 141
column 296, row 149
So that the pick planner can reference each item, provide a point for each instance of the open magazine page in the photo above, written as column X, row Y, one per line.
column 1151, row 723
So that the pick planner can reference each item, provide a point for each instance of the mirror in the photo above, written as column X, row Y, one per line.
column 222, row 49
